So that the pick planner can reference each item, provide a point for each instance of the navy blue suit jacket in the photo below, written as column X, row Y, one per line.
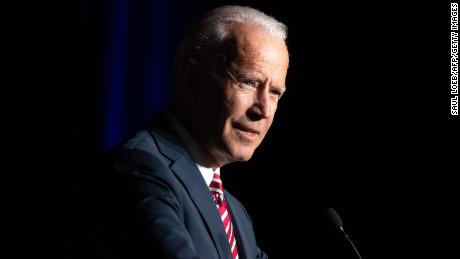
column 163, row 207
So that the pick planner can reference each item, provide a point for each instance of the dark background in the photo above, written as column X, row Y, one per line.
column 364, row 127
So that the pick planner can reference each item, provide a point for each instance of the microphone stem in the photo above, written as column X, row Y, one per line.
column 349, row 240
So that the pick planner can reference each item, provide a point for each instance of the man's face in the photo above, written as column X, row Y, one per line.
column 238, row 106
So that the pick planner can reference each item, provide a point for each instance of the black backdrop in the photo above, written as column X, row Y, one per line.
column 365, row 125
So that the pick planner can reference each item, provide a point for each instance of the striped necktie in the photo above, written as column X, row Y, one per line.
column 217, row 193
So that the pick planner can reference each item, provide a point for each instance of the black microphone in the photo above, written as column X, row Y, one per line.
column 337, row 222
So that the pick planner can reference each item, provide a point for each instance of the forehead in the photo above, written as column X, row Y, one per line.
column 253, row 48
column 248, row 40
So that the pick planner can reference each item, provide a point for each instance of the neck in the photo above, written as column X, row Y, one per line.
column 205, row 159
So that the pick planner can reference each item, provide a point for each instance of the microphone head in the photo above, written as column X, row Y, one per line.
column 337, row 222
column 334, row 217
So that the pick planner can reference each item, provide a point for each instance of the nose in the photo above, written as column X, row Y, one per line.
column 261, row 108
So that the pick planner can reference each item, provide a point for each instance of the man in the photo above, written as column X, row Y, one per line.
column 229, row 76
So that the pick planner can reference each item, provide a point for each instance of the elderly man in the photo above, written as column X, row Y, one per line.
column 229, row 75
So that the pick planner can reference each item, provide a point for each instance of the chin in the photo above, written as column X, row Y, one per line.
column 242, row 154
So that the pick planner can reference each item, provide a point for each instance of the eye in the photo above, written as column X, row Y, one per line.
column 277, row 93
column 247, row 84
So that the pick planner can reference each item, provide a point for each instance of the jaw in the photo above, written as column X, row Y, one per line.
column 237, row 147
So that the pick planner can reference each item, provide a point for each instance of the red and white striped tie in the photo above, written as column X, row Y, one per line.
column 217, row 193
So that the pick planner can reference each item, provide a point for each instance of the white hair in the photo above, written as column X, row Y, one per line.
column 208, row 38
column 218, row 22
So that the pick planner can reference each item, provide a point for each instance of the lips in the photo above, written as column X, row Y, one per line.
column 246, row 129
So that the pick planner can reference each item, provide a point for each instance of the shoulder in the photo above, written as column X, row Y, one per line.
column 139, row 161
column 157, row 142
column 140, row 149
column 139, row 153
column 142, row 140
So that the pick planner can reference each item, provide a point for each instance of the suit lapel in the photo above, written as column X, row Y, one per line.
column 189, row 175
column 199, row 193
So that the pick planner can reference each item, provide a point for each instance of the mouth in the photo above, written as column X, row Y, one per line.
column 247, row 132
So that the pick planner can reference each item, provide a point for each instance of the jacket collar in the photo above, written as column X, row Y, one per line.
column 189, row 175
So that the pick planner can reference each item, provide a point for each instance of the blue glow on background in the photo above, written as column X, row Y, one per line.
column 115, row 80
column 138, row 43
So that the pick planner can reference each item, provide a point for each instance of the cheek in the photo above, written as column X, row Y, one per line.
column 236, row 103
column 268, row 125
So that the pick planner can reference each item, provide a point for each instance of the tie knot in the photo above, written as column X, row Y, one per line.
column 216, row 188
column 216, row 182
